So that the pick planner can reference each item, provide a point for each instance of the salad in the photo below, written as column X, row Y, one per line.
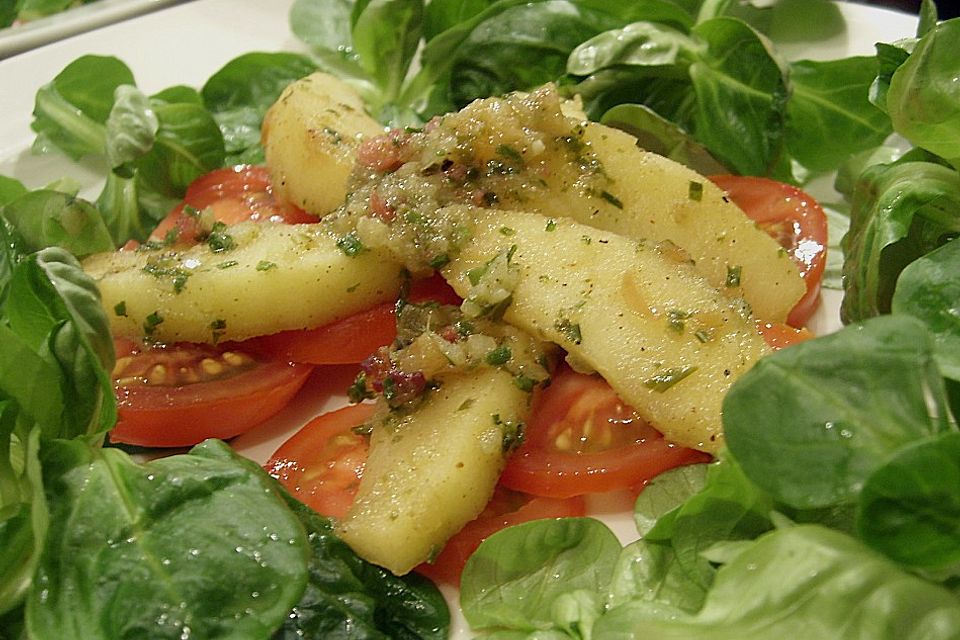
column 726, row 549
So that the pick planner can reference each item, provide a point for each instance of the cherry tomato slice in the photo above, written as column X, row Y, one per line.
column 582, row 439
column 321, row 464
column 351, row 340
column 779, row 335
column 233, row 194
column 181, row 394
column 507, row 508
column 792, row 218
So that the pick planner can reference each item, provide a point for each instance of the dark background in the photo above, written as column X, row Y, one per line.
column 945, row 8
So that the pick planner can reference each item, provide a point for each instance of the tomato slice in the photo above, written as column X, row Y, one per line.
column 234, row 194
column 321, row 464
column 792, row 218
column 351, row 340
column 779, row 335
column 582, row 439
column 181, row 394
column 507, row 508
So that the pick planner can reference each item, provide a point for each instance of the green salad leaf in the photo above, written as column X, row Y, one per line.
column 843, row 404
column 899, row 212
column 126, row 542
column 347, row 597
column 911, row 506
column 928, row 289
column 924, row 96
column 831, row 586
column 511, row 583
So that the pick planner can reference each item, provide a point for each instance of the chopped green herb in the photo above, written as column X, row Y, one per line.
column 217, row 327
column 266, row 265
column 358, row 391
column 178, row 276
column 413, row 217
column 570, row 330
column 466, row 404
column 227, row 264
column 463, row 328
column 509, row 153
column 389, row 388
column 524, row 383
column 551, row 225
column 663, row 381
column 353, row 287
column 120, row 309
column 696, row 191
column 507, row 231
column 676, row 319
column 703, row 335
column 440, row 261
column 364, row 429
column 151, row 323
column 733, row 276
column 219, row 240
column 476, row 274
column 612, row 199
column 350, row 244
column 513, row 432
column 498, row 356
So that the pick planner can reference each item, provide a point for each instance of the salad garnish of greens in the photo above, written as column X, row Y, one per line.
column 832, row 512
column 14, row 12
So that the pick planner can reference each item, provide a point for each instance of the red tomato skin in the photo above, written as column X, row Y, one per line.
column 639, row 453
column 235, row 194
column 351, row 340
column 321, row 465
column 796, row 220
column 184, row 415
column 553, row 477
column 448, row 566
column 779, row 335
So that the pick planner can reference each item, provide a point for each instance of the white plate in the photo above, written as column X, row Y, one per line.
column 186, row 44
column 61, row 25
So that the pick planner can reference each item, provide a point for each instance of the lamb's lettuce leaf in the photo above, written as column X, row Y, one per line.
column 239, row 94
column 45, row 218
column 344, row 592
column 511, row 582
column 841, row 404
column 805, row 581
column 157, row 145
column 899, row 212
column 910, row 507
column 829, row 117
column 71, row 111
column 928, row 289
column 924, row 96
column 127, row 541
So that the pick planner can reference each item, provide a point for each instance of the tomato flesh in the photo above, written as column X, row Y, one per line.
column 795, row 220
column 351, row 340
column 581, row 438
column 323, row 462
column 179, row 395
column 233, row 194
column 779, row 335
